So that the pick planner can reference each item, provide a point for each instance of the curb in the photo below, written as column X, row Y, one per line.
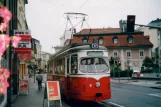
column 159, row 88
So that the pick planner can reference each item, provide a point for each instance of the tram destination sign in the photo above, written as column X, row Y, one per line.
column 95, row 46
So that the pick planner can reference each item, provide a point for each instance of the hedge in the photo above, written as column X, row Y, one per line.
column 125, row 73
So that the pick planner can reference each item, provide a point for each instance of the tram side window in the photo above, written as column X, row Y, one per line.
column 74, row 64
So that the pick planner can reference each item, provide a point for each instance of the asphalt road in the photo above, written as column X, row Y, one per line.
column 127, row 95
column 123, row 95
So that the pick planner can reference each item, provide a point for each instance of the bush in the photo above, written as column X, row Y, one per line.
column 122, row 73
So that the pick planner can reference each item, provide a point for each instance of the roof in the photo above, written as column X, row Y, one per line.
column 103, row 32
column 139, row 40
column 156, row 22
column 99, row 30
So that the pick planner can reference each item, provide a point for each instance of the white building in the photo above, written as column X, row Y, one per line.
column 64, row 40
column 153, row 34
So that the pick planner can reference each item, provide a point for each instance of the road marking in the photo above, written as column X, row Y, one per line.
column 156, row 95
column 115, row 104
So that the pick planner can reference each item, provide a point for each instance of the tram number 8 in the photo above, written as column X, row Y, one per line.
column 94, row 46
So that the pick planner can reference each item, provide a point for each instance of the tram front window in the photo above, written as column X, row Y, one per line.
column 92, row 65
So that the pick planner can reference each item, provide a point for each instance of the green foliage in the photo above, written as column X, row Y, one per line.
column 2, row 1
column 122, row 73
column 148, row 62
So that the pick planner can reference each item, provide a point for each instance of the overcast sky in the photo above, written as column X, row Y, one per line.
column 46, row 22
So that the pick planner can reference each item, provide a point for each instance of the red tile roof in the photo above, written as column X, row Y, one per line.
column 99, row 30
column 139, row 40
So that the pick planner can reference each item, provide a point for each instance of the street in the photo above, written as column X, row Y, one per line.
column 123, row 95
column 35, row 99
column 128, row 95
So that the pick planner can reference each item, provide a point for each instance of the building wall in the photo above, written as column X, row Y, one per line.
column 38, row 55
column 45, row 58
column 136, row 59
column 153, row 34
column 21, row 15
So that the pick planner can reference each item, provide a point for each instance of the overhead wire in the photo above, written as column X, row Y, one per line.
column 82, row 5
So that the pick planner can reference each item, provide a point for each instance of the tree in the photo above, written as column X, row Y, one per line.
column 148, row 62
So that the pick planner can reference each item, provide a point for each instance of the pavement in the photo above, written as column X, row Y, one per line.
column 35, row 99
column 146, row 83
column 125, row 94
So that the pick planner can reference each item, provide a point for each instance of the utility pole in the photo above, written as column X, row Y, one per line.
column 159, row 42
column 128, row 68
column 9, row 55
column 114, row 68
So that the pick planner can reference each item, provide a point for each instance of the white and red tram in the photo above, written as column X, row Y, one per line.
column 83, row 72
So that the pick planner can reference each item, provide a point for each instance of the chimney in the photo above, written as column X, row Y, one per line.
column 122, row 24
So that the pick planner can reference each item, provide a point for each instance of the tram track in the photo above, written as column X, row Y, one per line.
column 92, row 104
column 111, row 104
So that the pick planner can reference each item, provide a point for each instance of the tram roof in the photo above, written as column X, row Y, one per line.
column 77, row 46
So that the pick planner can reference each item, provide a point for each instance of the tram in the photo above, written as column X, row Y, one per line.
column 83, row 72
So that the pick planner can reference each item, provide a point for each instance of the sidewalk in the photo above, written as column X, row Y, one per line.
column 33, row 99
column 145, row 83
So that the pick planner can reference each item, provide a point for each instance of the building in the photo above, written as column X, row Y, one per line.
column 134, row 47
column 153, row 34
column 37, row 52
column 21, row 24
column 45, row 57
column 64, row 40
column 13, row 59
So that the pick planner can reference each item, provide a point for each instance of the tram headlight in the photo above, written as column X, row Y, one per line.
column 98, row 84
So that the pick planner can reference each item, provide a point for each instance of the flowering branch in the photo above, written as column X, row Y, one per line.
column 5, row 17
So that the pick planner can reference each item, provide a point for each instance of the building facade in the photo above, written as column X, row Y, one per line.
column 154, row 34
column 21, row 24
column 45, row 57
column 12, row 59
column 133, row 47
column 37, row 52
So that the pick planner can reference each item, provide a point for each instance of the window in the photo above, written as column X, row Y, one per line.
column 115, row 41
column 141, row 53
column 115, row 53
column 100, row 40
column 74, row 64
column 85, row 40
column 93, row 65
column 130, row 40
column 128, row 53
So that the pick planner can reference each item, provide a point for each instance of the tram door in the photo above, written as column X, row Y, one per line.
column 68, row 78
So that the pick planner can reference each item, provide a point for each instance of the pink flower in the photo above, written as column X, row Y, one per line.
column 15, row 40
column 4, row 74
column 6, row 15
column 4, row 42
